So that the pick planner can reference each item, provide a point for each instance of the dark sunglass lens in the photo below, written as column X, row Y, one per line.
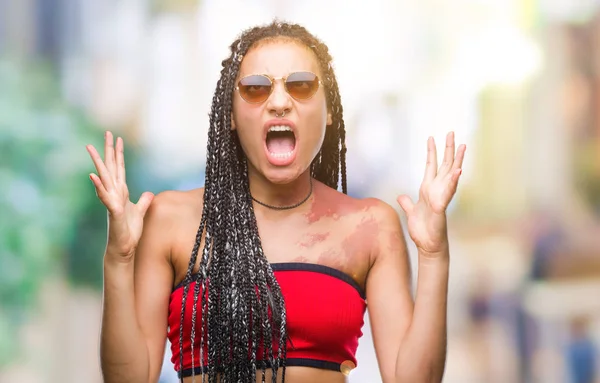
column 255, row 88
column 302, row 85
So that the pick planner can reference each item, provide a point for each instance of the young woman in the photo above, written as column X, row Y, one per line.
column 282, row 264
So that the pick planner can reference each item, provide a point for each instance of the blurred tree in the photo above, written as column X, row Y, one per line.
column 39, row 163
column 51, row 221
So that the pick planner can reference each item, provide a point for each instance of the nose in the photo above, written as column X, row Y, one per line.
column 279, row 101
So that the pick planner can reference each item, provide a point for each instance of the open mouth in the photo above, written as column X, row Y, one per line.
column 280, row 141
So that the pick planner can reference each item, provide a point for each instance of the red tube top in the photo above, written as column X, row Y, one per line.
column 325, row 314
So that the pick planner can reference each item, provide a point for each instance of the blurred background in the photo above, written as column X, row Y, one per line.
column 517, row 80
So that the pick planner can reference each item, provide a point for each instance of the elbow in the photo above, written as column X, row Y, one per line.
column 420, row 364
column 420, row 373
column 132, row 371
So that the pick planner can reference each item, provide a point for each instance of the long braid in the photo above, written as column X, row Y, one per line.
column 339, row 139
column 241, row 304
column 206, row 212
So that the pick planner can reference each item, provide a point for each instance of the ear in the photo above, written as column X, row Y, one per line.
column 233, row 126
column 329, row 119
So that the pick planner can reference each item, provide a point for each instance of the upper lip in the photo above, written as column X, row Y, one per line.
column 279, row 122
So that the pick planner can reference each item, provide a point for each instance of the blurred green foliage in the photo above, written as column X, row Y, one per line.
column 42, row 172
column 51, row 222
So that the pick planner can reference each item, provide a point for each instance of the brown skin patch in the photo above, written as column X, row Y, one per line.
column 367, row 228
column 332, row 258
column 301, row 259
column 323, row 207
column 368, row 203
column 335, row 206
column 311, row 239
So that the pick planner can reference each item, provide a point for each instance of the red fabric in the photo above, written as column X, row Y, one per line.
column 325, row 315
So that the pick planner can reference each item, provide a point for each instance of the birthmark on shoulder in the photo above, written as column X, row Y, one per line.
column 361, row 237
column 322, row 208
column 301, row 259
column 332, row 258
column 311, row 239
column 368, row 203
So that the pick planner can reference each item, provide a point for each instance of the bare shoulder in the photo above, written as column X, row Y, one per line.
column 384, row 213
column 171, row 206
column 170, row 203
column 167, row 212
column 373, row 223
column 366, row 208
column 388, row 240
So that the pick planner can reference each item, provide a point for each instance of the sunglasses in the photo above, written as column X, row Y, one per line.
column 257, row 88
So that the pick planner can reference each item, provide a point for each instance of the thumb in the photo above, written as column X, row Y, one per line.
column 144, row 202
column 406, row 204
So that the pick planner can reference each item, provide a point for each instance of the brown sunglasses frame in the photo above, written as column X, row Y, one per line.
column 284, row 79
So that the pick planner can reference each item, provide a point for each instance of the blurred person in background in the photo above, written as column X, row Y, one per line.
column 282, row 263
column 582, row 355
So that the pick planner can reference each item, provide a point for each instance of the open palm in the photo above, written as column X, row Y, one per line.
column 125, row 219
column 426, row 219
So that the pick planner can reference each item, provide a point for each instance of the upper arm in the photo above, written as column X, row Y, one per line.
column 153, row 280
column 389, row 299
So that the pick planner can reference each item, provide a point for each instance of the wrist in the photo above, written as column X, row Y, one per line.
column 112, row 257
column 441, row 255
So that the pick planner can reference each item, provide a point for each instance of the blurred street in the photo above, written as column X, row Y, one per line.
column 517, row 80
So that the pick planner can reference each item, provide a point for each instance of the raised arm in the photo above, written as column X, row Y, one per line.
column 137, row 274
column 410, row 341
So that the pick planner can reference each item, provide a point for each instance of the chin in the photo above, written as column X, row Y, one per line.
column 282, row 176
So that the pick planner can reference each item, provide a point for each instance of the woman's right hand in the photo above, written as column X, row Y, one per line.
column 125, row 219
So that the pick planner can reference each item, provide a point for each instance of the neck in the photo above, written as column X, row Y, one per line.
column 264, row 192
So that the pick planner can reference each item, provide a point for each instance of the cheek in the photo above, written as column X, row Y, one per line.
column 246, row 124
column 235, row 115
column 317, row 121
column 245, row 114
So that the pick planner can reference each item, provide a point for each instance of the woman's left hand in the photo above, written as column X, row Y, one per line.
column 426, row 220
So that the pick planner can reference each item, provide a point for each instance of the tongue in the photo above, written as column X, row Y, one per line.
column 280, row 144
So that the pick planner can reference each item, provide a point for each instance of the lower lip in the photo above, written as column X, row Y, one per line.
column 279, row 159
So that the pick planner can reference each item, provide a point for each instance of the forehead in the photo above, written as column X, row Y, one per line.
column 278, row 58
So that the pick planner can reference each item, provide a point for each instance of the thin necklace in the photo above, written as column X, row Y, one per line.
column 286, row 207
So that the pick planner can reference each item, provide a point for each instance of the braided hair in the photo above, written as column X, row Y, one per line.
column 242, row 308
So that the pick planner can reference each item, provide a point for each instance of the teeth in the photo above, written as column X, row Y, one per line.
column 281, row 155
column 280, row 128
